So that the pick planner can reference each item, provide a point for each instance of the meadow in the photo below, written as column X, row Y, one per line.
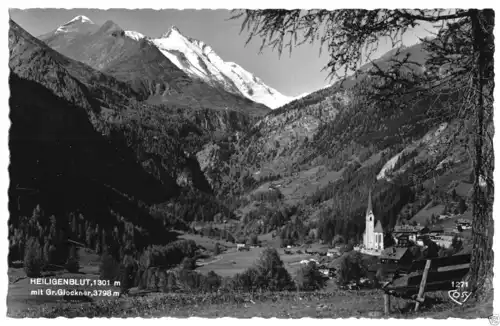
column 330, row 302
column 339, row 304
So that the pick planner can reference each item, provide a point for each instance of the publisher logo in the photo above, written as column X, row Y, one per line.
column 494, row 320
column 460, row 297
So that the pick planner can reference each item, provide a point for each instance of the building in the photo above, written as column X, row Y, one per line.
column 396, row 255
column 403, row 240
column 464, row 224
column 242, row 247
column 373, row 237
column 410, row 231
column 333, row 252
column 436, row 230
column 444, row 241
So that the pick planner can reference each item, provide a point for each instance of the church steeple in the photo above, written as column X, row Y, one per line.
column 369, row 208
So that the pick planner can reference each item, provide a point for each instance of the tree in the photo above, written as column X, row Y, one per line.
column 188, row 263
column 73, row 264
column 271, row 273
column 456, row 244
column 389, row 240
column 351, row 268
column 462, row 206
column 253, row 240
column 109, row 269
column 337, row 240
column 127, row 272
column 309, row 278
column 33, row 258
column 464, row 43
column 217, row 249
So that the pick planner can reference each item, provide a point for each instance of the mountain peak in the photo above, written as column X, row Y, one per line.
column 200, row 61
column 80, row 19
column 110, row 26
column 77, row 24
column 171, row 32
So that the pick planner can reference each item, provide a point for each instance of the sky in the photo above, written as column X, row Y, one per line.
column 290, row 75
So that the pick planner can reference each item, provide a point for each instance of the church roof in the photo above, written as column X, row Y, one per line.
column 378, row 227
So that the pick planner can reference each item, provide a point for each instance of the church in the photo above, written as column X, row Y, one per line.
column 373, row 237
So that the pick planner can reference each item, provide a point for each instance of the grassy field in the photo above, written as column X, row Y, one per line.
column 206, row 242
column 233, row 262
column 340, row 304
column 425, row 213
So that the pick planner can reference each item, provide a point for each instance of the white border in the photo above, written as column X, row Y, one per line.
column 216, row 4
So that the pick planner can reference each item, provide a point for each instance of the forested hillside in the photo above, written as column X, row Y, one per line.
column 323, row 153
column 89, row 162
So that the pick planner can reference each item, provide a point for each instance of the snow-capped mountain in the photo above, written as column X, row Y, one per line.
column 199, row 60
column 134, row 35
column 132, row 57
column 78, row 24
column 83, row 40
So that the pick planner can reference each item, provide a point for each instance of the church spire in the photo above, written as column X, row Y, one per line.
column 369, row 208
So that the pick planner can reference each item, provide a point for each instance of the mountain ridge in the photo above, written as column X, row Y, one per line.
column 137, row 61
column 225, row 75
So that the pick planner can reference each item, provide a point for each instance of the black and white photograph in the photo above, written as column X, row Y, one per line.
column 271, row 163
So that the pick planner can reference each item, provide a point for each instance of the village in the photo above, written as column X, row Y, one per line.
column 393, row 252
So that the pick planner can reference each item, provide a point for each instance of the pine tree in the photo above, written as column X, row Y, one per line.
column 33, row 261
column 73, row 262
column 109, row 269
column 462, row 206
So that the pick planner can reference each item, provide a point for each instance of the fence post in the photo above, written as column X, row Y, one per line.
column 420, row 295
column 387, row 304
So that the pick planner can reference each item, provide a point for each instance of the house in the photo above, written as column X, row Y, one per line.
column 420, row 240
column 396, row 255
column 332, row 252
column 403, row 240
column 322, row 251
column 331, row 268
column 464, row 224
column 305, row 261
column 373, row 237
column 410, row 230
column 242, row 247
column 435, row 230
column 327, row 271
column 444, row 241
